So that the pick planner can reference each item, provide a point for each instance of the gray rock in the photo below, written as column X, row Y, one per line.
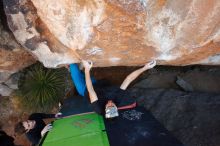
column 163, row 79
column 5, row 90
column 183, row 84
column 193, row 117
column 12, row 82
column 4, row 76
column 201, row 80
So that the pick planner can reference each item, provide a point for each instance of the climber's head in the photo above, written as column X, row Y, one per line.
column 111, row 110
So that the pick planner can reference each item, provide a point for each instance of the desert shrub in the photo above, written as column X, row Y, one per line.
column 40, row 89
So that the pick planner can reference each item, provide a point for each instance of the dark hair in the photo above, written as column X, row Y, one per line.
column 19, row 128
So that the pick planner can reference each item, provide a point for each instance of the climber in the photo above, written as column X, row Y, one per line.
column 105, row 99
column 126, row 123
column 35, row 128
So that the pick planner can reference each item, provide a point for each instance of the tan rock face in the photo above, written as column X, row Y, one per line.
column 13, row 57
column 118, row 32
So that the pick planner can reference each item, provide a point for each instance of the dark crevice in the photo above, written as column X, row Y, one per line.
column 3, row 18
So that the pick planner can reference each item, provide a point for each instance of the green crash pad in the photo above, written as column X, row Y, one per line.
column 78, row 130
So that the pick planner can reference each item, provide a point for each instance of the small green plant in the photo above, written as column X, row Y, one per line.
column 40, row 89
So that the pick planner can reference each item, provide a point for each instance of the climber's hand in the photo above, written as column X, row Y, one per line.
column 150, row 64
column 87, row 64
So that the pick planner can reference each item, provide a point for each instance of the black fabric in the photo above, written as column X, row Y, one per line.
column 118, row 96
column 34, row 135
column 6, row 140
column 97, row 107
column 137, row 127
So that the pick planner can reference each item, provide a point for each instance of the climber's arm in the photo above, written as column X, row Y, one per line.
column 135, row 74
column 92, row 94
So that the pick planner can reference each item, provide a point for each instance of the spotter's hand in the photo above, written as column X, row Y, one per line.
column 47, row 128
column 58, row 115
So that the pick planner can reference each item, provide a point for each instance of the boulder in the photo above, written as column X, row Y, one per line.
column 13, row 57
column 117, row 32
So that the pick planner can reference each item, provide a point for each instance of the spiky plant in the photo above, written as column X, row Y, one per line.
column 40, row 89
